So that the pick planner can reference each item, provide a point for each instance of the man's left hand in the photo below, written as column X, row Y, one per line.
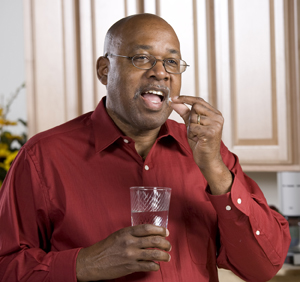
column 204, row 131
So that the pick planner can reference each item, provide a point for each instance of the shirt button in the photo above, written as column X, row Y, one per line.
column 146, row 167
column 239, row 201
column 228, row 208
column 126, row 141
column 257, row 232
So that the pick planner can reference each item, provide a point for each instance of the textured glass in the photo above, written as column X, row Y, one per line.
column 150, row 205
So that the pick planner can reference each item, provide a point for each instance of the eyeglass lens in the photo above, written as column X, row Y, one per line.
column 148, row 61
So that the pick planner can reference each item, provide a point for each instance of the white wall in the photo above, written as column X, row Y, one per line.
column 12, row 59
column 267, row 181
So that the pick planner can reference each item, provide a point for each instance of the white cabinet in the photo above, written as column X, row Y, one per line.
column 254, row 81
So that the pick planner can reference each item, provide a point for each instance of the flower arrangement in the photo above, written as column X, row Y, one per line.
column 10, row 144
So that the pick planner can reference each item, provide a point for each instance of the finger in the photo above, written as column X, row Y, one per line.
column 199, row 119
column 182, row 110
column 144, row 266
column 190, row 100
column 154, row 242
column 196, row 131
column 199, row 106
column 148, row 230
column 202, row 133
column 154, row 255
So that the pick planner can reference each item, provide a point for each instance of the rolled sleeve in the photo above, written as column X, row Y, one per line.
column 63, row 266
column 253, row 237
column 232, row 204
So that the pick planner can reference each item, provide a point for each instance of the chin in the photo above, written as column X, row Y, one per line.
column 153, row 125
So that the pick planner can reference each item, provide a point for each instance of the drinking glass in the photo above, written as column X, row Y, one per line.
column 150, row 205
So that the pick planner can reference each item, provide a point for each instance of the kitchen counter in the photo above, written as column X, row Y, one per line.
column 288, row 273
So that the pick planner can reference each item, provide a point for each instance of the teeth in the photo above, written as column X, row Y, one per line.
column 155, row 92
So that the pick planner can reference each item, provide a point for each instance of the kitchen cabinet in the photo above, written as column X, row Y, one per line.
column 243, row 56
column 257, row 90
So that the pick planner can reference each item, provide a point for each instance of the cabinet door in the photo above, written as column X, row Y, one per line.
column 252, row 79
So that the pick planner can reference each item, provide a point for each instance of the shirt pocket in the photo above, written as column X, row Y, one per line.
column 201, row 232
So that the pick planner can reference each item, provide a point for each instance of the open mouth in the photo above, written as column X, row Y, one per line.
column 154, row 96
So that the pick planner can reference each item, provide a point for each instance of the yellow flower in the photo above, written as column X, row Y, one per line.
column 9, row 159
column 9, row 141
column 3, row 146
column 10, row 136
column 7, row 122
column 2, row 165
column 4, row 151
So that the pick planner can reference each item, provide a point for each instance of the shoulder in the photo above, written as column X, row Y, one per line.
column 66, row 130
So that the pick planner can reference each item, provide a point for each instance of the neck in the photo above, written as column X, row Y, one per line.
column 143, row 138
column 144, row 141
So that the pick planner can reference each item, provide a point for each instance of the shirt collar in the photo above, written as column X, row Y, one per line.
column 106, row 132
column 177, row 131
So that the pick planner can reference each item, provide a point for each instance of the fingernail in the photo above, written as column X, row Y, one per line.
column 169, row 258
column 176, row 97
column 167, row 233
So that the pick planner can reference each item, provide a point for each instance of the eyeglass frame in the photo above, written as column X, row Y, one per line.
column 131, row 58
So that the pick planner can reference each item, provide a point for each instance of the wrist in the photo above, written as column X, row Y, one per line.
column 219, row 178
column 80, row 268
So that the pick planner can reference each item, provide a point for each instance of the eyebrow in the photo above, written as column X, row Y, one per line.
column 149, row 47
column 144, row 47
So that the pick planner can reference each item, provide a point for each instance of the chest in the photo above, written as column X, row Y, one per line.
column 95, row 194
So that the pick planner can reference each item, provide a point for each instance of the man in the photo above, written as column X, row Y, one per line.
column 65, row 211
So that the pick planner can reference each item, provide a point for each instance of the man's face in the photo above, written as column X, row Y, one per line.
column 139, row 98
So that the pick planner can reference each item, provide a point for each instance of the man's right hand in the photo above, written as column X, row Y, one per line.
column 124, row 252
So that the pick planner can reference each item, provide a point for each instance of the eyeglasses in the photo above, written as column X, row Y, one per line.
column 146, row 62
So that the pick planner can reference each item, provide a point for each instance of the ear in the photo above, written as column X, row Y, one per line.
column 102, row 69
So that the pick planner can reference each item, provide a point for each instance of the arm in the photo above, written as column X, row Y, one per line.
column 254, row 239
column 204, row 131
column 26, row 230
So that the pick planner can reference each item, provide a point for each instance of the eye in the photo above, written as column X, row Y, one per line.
column 141, row 58
column 172, row 62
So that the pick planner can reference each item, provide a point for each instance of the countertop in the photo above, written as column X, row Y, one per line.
column 288, row 273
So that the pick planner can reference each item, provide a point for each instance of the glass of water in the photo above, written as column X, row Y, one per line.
column 150, row 205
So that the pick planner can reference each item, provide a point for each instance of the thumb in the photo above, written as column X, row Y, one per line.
column 181, row 109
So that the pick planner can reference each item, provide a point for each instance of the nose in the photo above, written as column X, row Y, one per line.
column 158, row 71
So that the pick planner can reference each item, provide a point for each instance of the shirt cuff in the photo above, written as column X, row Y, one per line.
column 63, row 267
column 232, row 204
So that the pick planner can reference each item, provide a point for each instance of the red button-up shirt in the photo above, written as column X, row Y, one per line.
column 69, row 188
